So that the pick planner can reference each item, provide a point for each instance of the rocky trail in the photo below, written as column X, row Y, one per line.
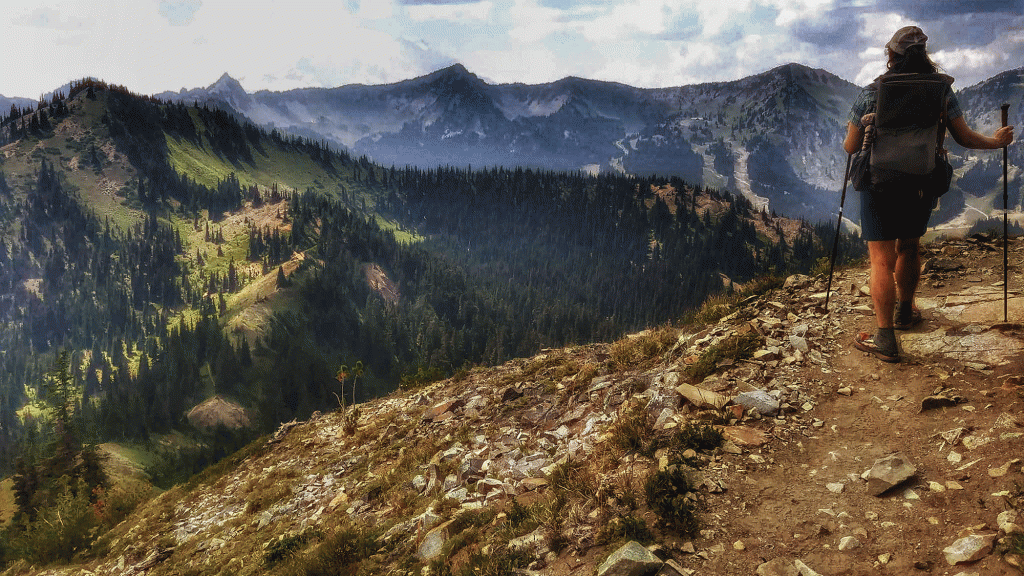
column 547, row 456
column 952, row 409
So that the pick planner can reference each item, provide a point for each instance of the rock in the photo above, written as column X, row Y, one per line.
column 969, row 549
column 941, row 401
column 888, row 472
column 1007, row 522
column 744, row 436
column 804, row 569
column 530, row 484
column 533, row 542
column 758, row 400
column 435, row 411
column 632, row 559
column 939, row 264
column 1004, row 469
column 673, row 568
column 665, row 417
column 419, row 482
column 433, row 542
column 953, row 436
column 974, row 442
column 835, row 487
column 848, row 543
column 799, row 343
column 702, row 398
column 778, row 567
column 471, row 469
column 797, row 281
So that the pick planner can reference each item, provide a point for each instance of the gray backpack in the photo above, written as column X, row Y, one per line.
column 905, row 142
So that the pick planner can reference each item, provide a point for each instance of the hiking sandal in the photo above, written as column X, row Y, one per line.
column 866, row 343
column 900, row 323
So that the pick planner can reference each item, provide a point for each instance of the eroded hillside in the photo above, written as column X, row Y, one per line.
column 546, row 465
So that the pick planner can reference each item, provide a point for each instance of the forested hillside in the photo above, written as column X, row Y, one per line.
column 173, row 253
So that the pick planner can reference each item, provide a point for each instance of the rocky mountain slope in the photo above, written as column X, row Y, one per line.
column 559, row 463
column 774, row 137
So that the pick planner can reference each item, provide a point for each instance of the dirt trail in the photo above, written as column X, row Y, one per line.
column 808, row 495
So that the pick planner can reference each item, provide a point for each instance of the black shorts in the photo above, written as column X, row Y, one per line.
column 894, row 213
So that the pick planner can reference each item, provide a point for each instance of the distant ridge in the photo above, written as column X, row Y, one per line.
column 772, row 137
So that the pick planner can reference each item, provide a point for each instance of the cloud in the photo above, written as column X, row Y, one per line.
column 938, row 9
column 456, row 12
column 53, row 19
column 181, row 12
column 437, row 2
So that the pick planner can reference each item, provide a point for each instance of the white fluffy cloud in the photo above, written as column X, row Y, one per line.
column 156, row 45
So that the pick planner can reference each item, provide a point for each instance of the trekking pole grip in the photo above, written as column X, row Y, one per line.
column 1006, row 113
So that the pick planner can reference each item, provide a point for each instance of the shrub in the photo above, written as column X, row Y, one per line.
column 625, row 528
column 501, row 562
column 713, row 309
column 735, row 347
column 633, row 432
column 698, row 437
column 60, row 532
column 423, row 376
column 337, row 554
column 671, row 495
column 288, row 545
column 761, row 285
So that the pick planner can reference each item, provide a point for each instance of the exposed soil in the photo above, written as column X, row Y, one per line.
column 783, row 506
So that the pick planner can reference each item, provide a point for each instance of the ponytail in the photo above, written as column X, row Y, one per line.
column 915, row 60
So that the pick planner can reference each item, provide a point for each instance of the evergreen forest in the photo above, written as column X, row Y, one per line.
column 156, row 255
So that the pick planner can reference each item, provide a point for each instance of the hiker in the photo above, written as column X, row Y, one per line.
column 895, row 216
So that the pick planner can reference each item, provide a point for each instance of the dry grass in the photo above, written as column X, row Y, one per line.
column 644, row 349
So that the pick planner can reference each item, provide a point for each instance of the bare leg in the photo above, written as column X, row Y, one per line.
column 883, row 287
column 908, row 268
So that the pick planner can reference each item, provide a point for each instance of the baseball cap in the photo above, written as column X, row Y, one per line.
column 905, row 38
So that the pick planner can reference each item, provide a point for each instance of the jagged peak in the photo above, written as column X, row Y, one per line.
column 454, row 73
column 226, row 84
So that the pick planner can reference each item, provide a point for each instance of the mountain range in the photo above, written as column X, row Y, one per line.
column 773, row 137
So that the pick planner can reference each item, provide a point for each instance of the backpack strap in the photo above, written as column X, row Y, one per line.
column 940, row 139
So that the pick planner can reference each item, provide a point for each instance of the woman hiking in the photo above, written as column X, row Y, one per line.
column 895, row 216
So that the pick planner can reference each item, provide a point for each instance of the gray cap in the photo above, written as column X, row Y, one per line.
column 905, row 38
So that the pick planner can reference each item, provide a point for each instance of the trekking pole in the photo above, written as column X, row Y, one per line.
column 1006, row 209
column 839, row 226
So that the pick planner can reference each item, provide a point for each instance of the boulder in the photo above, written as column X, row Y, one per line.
column 702, row 398
column 969, row 549
column 758, row 400
column 888, row 472
column 632, row 559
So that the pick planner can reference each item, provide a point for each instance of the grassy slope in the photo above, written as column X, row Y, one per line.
column 68, row 147
column 7, row 508
column 106, row 191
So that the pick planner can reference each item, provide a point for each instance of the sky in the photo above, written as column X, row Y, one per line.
column 151, row 46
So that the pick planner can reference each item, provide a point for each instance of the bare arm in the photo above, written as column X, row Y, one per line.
column 968, row 138
column 854, row 138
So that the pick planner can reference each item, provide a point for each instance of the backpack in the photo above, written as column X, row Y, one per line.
column 908, row 132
